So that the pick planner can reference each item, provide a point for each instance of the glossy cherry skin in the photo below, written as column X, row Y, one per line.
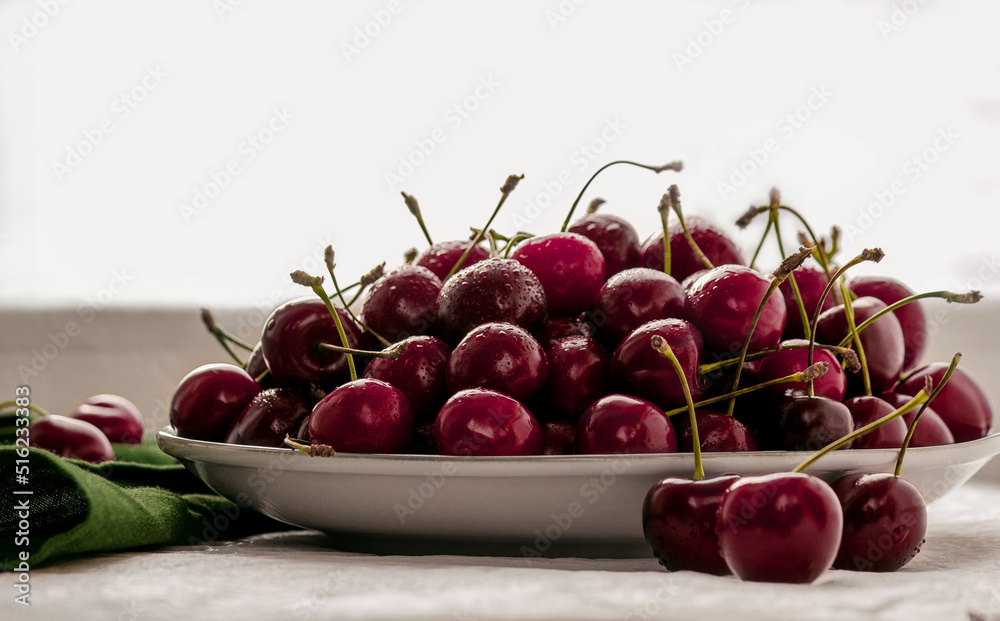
column 882, row 341
column 831, row 384
column 290, row 343
column 486, row 423
column 491, row 290
column 865, row 410
column 403, row 303
column 255, row 367
column 363, row 416
column 811, row 281
column 614, row 236
column 885, row 521
column 119, row 418
column 679, row 518
column 558, row 437
column 911, row 317
column 692, row 278
column 569, row 266
column 810, row 423
column 623, row 424
column 962, row 404
column 208, row 399
column 273, row 414
column 930, row 430
column 501, row 357
column 440, row 257
column 559, row 326
column 419, row 373
column 71, row 437
column 717, row 433
column 779, row 528
column 719, row 248
column 634, row 297
column 722, row 304
column 637, row 369
column 578, row 375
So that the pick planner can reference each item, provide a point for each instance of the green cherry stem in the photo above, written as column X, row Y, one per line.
column 515, row 239
column 661, row 345
column 803, row 315
column 971, row 297
column 390, row 353
column 675, row 204
column 664, row 210
column 223, row 337
column 367, row 280
column 916, row 417
column 850, row 357
column 595, row 205
column 505, row 191
column 676, row 166
column 32, row 407
column 312, row 450
column 852, row 329
column 316, row 284
column 330, row 265
column 821, row 254
column 411, row 204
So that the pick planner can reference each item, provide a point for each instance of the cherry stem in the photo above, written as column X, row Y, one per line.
column 664, row 210
column 676, row 166
column 408, row 257
column 920, row 397
column 852, row 329
column 312, row 450
column 32, row 407
column 850, row 358
column 916, row 417
column 260, row 378
column 817, row 370
column 821, row 254
column 505, row 191
column 595, row 205
column 971, row 297
column 330, row 265
column 675, row 203
column 661, row 345
column 391, row 353
column 803, row 315
column 223, row 337
column 368, row 279
column 760, row 245
column 411, row 204
column 316, row 284
column 517, row 238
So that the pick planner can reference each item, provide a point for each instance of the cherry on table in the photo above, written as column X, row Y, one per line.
column 624, row 424
column 911, row 317
column 930, row 429
column 722, row 303
column 882, row 341
column 403, row 303
column 363, row 416
column 716, row 245
column 71, row 437
column 569, row 266
column 271, row 415
column 116, row 416
column 865, row 410
column 440, row 257
column 485, row 422
column 291, row 339
column 578, row 374
column 637, row 369
column 634, row 297
column 615, row 237
column 793, row 359
column 419, row 373
column 501, row 357
column 962, row 404
column 208, row 399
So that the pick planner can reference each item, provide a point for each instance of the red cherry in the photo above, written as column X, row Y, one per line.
column 559, row 326
column 116, row 416
column 255, row 367
column 636, row 368
column 419, row 373
column 501, row 357
column 722, row 304
column 440, row 257
column 810, row 423
column 930, row 431
column 623, row 424
column 569, row 266
column 787, row 361
column 962, row 404
column 291, row 339
column 578, row 374
column 485, row 422
column 811, row 282
column 70, row 437
column 911, row 317
column 363, row 416
column 273, row 414
column 865, row 410
column 208, row 400
column 634, row 297
column 719, row 249
column 882, row 342
column 615, row 237
column 403, row 303
column 717, row 433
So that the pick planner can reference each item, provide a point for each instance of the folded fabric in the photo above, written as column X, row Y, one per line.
column 63, row 507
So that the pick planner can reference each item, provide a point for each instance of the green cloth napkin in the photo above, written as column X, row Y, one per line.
column 143, row 498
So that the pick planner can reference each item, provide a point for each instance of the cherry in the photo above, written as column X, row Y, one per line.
column 911, row 317
column 363, row 416
column 962, row 404
column 639, row 370
column 578, row 374
column 501, row 357
column 569, row 266
column 865, row 410
column 811, row 281
column 485, row 422
column 117, row 417
column 784, row 362
column 882, row 341
column 722, row 303
column 810, row 423
column 208, row 399
column 679, row 519
column 439, row 258
column 71, row 437
column 885, row 521
column 719, row 249
column 255, row 367
column 302, row 433
column 419, row 373
column 559, row 326
column 273, row 414
column 614, row 236
column 782, row 527
column 558, row 437
column 717, row 432
column 403, row 303
column 491, row 290
column 624, row 424
column 291, row 339
column 930, row 430
column 692, row 278
column 634, row 297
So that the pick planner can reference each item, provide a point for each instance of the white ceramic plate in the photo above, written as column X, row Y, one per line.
column 588, row 505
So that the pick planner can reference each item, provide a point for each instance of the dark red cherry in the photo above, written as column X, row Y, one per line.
column 501, row 357
column 962, row 404
column 624, row 424
column 117, row 417
column 885, row 521
column 679, row 518
column 719, row 249
column 569, row 266
column 422, row 442
column 614, row 236
column 810, row 423
column 692, row 278
column 911, row 317
column 208, row 400
column 930, row 431
column 302, row 433
column 637, row 369
column 440, row 257
column 419, row 373
column 273, row 414
column 403, row 303
column 811, row 281
column 722, row 304
column 882, row 342
column 558, row 437
column 291, row 339
column 559, row 326
column 831, row 385
column 491, row 290
column 780, row 528
column 255, row 367
column 578, row 375
column 634, row 297
column 485, row 422
column 363, row 416
column 865, row 410
column 717, row 433
column 70, row 437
